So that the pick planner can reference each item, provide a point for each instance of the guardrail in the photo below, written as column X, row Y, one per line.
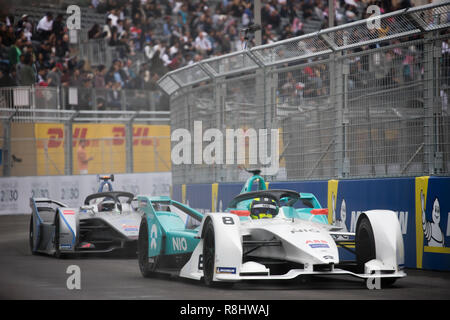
column 79, row 98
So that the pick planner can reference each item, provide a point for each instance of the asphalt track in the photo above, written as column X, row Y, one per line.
column 24, row 276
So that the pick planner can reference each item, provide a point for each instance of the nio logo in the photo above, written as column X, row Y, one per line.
column 179, row 244
column 153, row 236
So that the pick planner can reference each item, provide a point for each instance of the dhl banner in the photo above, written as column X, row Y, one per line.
column 49, row 148
column 104, row 146
column 151, row 148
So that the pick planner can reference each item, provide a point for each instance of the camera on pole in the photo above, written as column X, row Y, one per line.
column 249, row 32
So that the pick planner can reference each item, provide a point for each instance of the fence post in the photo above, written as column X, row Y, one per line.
column 336, row 100
column 430, row 136
column 68, row 145
column 219, row 102
column 7, row 147
column 129, row 144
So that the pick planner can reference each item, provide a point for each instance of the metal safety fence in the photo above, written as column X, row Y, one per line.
column 365, row 99
column 82, row 98
column 66, row 142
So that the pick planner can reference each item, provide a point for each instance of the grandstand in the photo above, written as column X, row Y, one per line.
column 121, row 65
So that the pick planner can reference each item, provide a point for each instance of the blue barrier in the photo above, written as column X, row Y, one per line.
column 425, row 224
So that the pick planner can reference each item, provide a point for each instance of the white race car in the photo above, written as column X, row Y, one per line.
column 233, row 246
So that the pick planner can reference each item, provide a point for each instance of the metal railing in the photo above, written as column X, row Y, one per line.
column 79, row 98
column 365, row 99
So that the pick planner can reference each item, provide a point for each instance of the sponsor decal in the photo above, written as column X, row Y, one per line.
column 179, row 244
column 228, row 270
column 305, row 230
column 153, row 236
column 129, row 228
column 317, row 244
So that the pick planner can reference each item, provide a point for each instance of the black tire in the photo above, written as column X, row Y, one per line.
column 58, row 253
column 364, row 243
column 30, row 236
column 147, row 268
column 209, row 253
column 365, row 248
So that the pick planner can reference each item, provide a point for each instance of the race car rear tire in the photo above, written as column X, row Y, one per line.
column 147, row 268
column 58, row 253
column 30, row 236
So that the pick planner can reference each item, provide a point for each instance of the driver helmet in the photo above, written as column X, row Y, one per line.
column 262, row 208
column 106, row 205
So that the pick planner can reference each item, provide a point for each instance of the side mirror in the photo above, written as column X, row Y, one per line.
column 87, row 209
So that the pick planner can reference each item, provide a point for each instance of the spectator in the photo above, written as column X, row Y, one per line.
column 95, row 32
column 107, row 29
column 117, row 73
column 22, row 22
column 99, row 78
column 45, row 26
column 15, row 52
column 54, row 76
column 115, row 97
column 62, row 47
column 42, row 77
column 58, row 27
column 76, row 79
column 85, row 95
column 27, row 75
column 202, row 43
column 6, row 80
column 8, row 35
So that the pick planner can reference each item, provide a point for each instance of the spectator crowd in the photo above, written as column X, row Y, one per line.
column 153, row 37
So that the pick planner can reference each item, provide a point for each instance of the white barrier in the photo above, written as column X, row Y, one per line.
column 15, row 192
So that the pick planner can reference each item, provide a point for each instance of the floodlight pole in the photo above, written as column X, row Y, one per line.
column 257, row 15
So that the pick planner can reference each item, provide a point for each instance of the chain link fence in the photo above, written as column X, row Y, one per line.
column 366, row 99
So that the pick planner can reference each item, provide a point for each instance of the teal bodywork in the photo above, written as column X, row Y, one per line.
column 254, row 183
column 168, row 232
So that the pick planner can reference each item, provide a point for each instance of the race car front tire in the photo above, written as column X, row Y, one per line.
column 209, row 252
column 365, row 248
